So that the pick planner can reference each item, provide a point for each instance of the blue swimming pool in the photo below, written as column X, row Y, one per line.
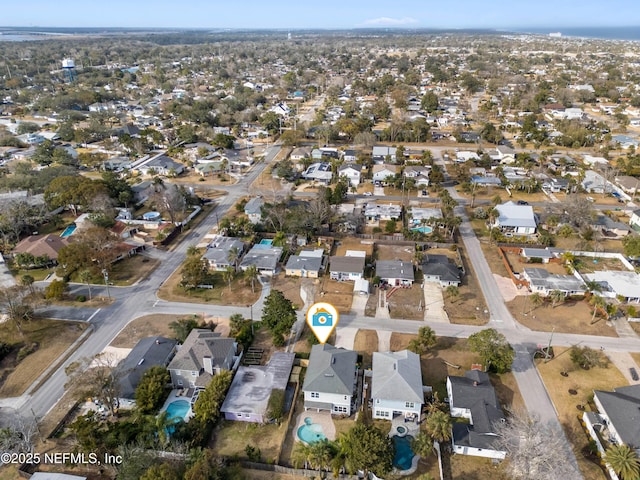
column 266, row 241
column 311, row 432
column 424, row 229
column 69, row 230
column 178, row 410
column 403, row 455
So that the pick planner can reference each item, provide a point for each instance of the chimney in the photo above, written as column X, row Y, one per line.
column 207, row 363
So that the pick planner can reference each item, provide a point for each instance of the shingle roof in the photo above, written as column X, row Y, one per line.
column 38, row 245
column 397, row 376
column 148, row 352
column 330, row 370
column 346, row 264
column 296, row 262
column 394, row 269
column 512, row 215
column 199, row 344
column 622, row 406
column 440, row 267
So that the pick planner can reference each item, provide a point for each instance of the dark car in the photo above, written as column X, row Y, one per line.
column 633, row 373
column 522, row 202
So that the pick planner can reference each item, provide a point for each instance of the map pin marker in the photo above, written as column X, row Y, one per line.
column 322, row 318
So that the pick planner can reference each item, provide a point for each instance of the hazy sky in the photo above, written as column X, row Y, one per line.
column 320, row 14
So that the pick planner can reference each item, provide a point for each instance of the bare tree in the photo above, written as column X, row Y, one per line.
column 534, row 449
column 19, row 435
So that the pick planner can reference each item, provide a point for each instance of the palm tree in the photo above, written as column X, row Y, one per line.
column 592, row 286
column 438, row 425
column 234, row 254
column 27, row 281
column 624, row 461
column 252, row 275
column 452, row 291
column 536, row 300
column 228, row 275
column 597, row 302
column 85, row 276
column 556, row 297
column 496, row 200
column 422, row 445
column 192, row 250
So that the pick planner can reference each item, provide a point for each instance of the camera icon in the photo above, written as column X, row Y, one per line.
column 322, row 318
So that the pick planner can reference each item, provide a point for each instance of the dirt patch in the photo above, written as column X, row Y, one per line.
column 143, row 327
column 405, row 303
column 345, row 244
column 469, row 306
column 289, row 286
column 339, row 294
column 590, row 265
column 569, row 317
column 365, row 343
column 50, row 339
column 518, row 263
column 221, row 294
column 395, row 252
column 583, row 382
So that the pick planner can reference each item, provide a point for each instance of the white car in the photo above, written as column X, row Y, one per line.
column 367, row 194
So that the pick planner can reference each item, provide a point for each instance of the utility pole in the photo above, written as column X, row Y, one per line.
column 106, row 281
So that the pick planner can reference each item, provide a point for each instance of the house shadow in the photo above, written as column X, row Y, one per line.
column 505, row 393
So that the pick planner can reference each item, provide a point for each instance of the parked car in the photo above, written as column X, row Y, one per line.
column 367, row 194
column 523, row 202
column 634, row 373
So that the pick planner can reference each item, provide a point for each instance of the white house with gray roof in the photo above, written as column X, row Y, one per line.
column 253, row 209
column 348, row 267
column 474, row 398
column 218, row 254
column 264, row 257
column 616, row 283
column 159, row 164
column 396, row 385
column 331, row 379
column 203, row 355
column 395, row 272
column 543, row 282
column 513, row 219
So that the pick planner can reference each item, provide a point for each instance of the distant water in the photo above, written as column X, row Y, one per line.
column 19, row 38
column 605, row 33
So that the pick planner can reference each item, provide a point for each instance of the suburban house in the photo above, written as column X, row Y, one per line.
column 486, row 181
column 350, row 156
column 159, row 164
column 544, row 282
column 352, row 171
column 299, row 153
column 474, row 398
column 617, row 283
column 248, row 396
column 349, row 267
column 319, row 172
column 41, row 245
column 556, row 185
column 424, row 216
column 439, row 269
column 515, row 219
column 331, row 380
column 264, row 257
column 634, row 221
column 610, row 227
column 203, row 355
column 381, row 154
column 148, row 352
column 594, row 183
column 617, row 420
column 221, row 250
column 308, row 264
column 381, row 172
column 374, row 213
column 628, row 184
column 253, row 209
column 396, row 273
column 397, row 385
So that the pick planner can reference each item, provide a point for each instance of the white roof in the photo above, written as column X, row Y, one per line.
column 513, row 215
column 626, row 284
column 355, row 253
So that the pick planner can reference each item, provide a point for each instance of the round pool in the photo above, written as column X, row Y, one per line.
column 311, row 432
column 401, row 430
column 151, row 216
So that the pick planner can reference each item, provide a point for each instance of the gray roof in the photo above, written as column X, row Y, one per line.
column 148, row 352
column 297, row 262
column 541, row 278
column 55, row 476
column 537, row 253
column 254, row 206
column 262, row 258
column 219, row 248
column 512, row 215
column 394, row 269
column 622, row 406
column 475, row 393
column 252, row 385
column 346, row 264
column 397, row 376
column 199, row 344
column 440, row 266
column 331, row 370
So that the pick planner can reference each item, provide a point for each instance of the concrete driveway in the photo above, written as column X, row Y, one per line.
column 434, row 304
column 624, row 361
column 358, row 304
column 345, row 336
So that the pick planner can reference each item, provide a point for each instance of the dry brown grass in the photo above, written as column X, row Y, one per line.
column 395, row 252
column 53, row 337
column 587, row 264
column 339, row 294
column 465, row 466
column 351, row 243
column 468, row 308
column 289, row 286
column 584, row 382
column 518, row 263
column 365, row 343
column 636, row 358
column 569, row 317
column 221, row 294
column 404, row 303
column 132, row 270
column 143, row 327
column 231, row 438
